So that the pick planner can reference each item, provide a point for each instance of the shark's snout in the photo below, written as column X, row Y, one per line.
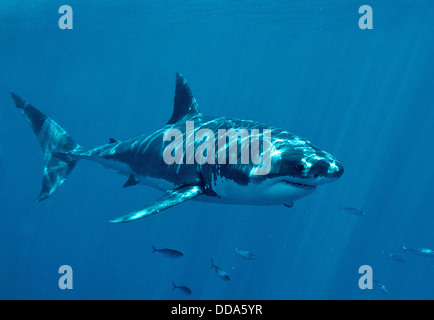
column 327, row 170
column 336, row 170
column 324, row 171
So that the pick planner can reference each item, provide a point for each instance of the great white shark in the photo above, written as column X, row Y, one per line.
column 297, row 166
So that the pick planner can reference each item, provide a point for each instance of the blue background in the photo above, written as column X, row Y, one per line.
column 365, row 96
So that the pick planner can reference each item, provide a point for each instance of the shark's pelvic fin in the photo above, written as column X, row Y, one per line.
column 169, row 199
column 185, row 103
column 55, row 142
column 132, row 181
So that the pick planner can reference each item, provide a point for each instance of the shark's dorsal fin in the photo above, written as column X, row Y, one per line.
column 185, row 103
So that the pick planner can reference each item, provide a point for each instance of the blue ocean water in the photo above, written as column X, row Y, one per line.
column 365, row 96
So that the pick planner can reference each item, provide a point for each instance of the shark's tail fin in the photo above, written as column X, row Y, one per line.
column 56, row 144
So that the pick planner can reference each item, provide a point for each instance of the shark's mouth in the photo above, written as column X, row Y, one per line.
column 299, row 185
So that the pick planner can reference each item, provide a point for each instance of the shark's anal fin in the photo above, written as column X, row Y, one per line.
column 169, row 199
column 289, row 204
column 132, row 181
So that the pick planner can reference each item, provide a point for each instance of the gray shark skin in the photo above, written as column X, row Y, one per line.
column 297, row 166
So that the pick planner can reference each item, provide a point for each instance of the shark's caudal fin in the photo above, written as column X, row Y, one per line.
column 185, row 103
column 55, row 144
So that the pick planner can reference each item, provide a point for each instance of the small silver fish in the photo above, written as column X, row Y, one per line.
column 353, row 211
column 423, row 252
column 381, row 286
column 183, row 289
column 245, row 254
column 169, row 253
column 393, row 257
column 220, row 272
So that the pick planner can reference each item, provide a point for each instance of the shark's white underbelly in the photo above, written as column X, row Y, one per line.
column 266, row 193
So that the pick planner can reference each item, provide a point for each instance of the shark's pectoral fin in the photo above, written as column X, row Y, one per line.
column 132, row 181
column 289, row 204
column 169, row 199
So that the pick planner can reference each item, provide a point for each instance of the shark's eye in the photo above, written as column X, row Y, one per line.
column 299, row 167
